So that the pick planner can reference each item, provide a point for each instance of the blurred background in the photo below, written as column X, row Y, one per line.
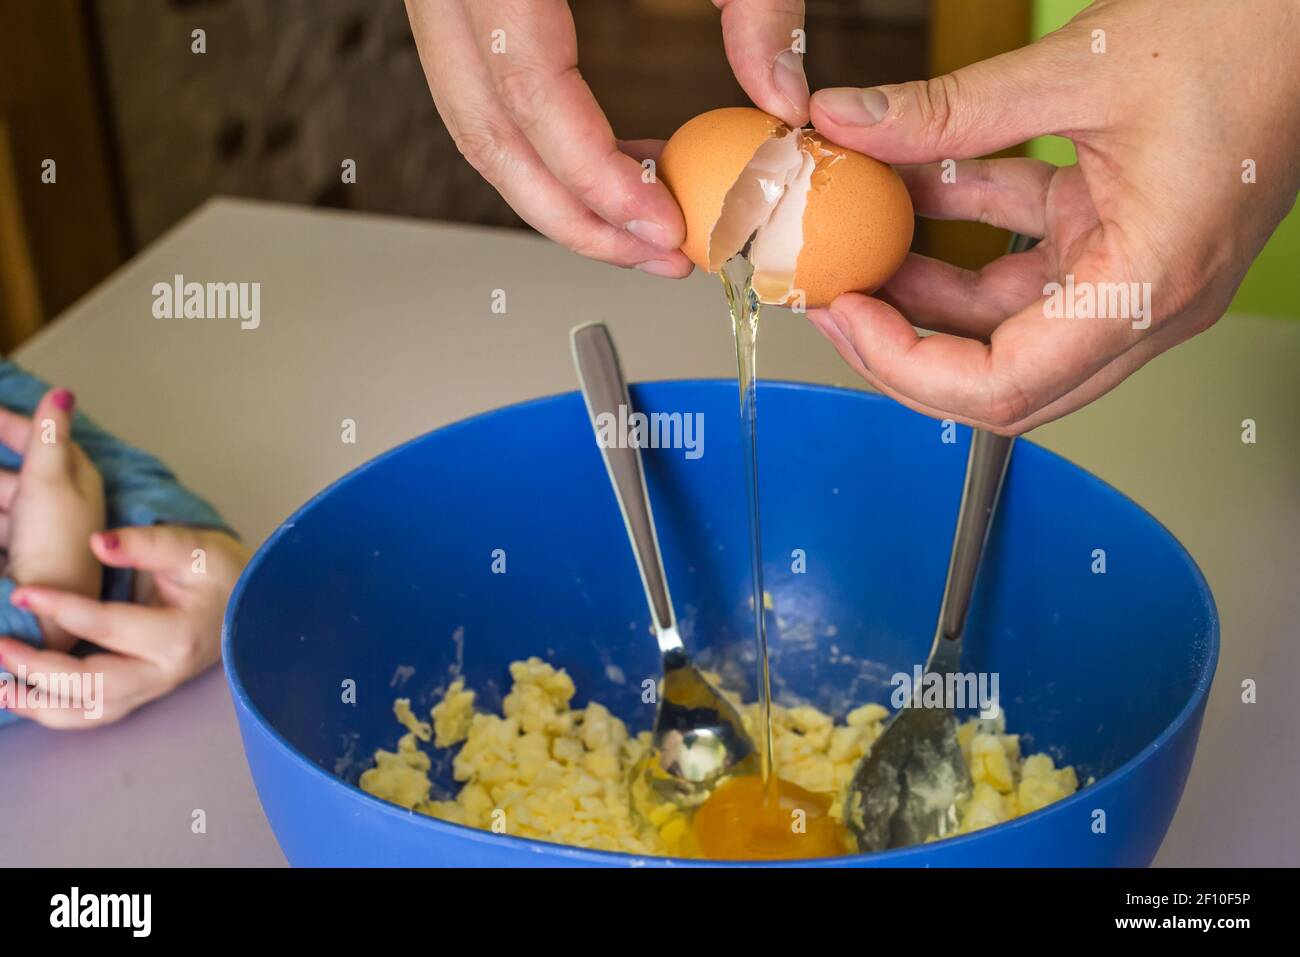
column 143, row 130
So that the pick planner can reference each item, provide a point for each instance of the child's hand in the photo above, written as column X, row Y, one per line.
column 50, row 507
column 149, row 649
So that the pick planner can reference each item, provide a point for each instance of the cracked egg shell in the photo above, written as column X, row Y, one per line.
column 826, row 220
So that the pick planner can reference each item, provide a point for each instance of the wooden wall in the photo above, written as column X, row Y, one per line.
column 59, row 238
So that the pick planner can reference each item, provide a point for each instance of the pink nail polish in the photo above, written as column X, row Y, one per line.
column 109, row 540
column 19, row 600
column 64, row 399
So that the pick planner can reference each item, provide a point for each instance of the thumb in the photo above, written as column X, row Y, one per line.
column 50, row 442
column 977, row 110
column 766, row 54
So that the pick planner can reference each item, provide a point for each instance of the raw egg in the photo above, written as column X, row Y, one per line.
column 743, row 820
column 824, row 220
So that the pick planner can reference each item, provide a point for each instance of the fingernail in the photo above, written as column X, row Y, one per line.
column 109, row 540
column 854, row 107
column 20, row 600
column 649, row 232
column 788, row 75
column 64, row 399
column 660, row 267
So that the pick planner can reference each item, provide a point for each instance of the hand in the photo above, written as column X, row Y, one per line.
column 50, row 507
column 504, row 77
column 148, row 650
column 1163, row 122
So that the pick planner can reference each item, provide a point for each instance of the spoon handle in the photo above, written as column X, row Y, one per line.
column 986, row 467
column 609, row 407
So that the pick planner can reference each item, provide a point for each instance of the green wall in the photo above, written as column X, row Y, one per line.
column 1272, row 286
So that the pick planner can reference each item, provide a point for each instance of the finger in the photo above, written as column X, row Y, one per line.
column 118, row 626
column 171, row 550
column 76, row 693
column 979, row 109
column 15, row 430
column 945, row 298
column 8, row 488
column 1008, row 193
column 642, row 150
column 530, row 51
column 33, row 665
column 150, row 548
column 1030, row 361
column 42, row 689
column 1098, row 385
column 1110, row 376
column 498, row 150
column 760, row 40
column 821, row 318
column 49, row 447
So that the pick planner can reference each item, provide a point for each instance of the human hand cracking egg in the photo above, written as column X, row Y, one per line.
column 505, row 80
column 1162, row 122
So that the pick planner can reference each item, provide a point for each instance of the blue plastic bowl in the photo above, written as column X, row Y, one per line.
column 391, row 569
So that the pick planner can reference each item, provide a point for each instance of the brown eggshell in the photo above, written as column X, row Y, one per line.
column 857, row 227
column 704, row 159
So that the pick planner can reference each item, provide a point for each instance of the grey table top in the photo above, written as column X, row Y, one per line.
column 389, row 323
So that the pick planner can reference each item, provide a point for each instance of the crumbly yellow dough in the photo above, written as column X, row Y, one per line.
column 545, row 771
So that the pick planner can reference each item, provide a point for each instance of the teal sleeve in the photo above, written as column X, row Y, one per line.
column 138, row 490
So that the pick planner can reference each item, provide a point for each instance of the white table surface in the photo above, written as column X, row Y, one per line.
column 388, row 322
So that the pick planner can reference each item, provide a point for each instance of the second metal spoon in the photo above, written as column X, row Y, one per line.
column 908, row 787
column 698, row 735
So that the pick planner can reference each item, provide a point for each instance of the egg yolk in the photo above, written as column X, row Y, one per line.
column 745, row 821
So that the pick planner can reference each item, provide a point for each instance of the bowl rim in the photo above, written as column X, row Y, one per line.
column 572, row 853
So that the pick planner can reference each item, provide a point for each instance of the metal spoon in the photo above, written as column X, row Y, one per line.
column 698, row 735
column 907, row 788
